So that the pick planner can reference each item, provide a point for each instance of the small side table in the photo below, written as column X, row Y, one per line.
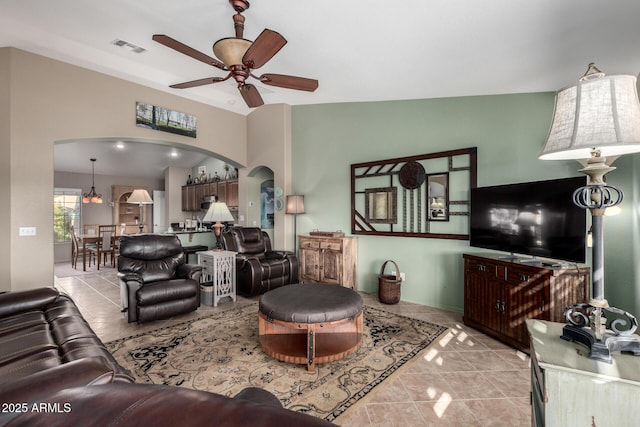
column 219, row 267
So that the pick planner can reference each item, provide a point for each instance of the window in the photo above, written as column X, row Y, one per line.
column 66, row 213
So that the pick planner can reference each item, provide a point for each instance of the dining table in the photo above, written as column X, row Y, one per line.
column 92, row 238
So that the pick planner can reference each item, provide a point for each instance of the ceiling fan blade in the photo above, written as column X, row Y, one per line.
column 199, row 82
column 187, row 50
column 250, row 95
column 290, row 82
column 263, row 48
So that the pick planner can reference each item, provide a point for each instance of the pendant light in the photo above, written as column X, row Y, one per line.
column 92, row 196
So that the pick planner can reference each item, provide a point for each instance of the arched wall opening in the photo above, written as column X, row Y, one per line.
column 160, row 166
column 260, row 195
column 54, row 101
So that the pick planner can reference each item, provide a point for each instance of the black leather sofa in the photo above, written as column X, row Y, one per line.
column 42, row 330
column 55, row 371
column 160, row 406
column 259, row 268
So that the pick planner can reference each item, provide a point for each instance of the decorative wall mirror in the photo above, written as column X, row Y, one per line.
column 380, row 205
column 418, row 196
column 438, row 196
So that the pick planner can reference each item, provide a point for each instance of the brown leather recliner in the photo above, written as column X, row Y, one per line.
column 258, row 267
column 159, row 283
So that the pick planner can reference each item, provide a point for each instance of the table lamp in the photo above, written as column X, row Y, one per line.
column 140, row 197
column 598, row 117
column 218, row 212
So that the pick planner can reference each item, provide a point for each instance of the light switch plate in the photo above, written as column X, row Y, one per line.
column 27, row 231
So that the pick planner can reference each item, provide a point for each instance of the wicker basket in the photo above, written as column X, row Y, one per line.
column 389, row 285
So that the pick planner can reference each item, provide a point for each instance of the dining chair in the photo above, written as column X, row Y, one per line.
column 76, row 245
column 106, row 244
column 90, row 229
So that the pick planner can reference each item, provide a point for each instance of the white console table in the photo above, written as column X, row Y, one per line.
column 569, row 389
column 219, row 267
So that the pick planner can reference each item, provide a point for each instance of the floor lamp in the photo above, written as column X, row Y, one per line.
column 598, row 117
column 140, row 197
column 295, row 207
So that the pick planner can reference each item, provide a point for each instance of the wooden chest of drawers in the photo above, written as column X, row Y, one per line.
column 328, row 260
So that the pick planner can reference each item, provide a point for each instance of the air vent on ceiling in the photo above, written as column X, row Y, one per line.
column 133, row 47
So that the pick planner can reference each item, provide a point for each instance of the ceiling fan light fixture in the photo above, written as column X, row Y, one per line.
column 231, row 50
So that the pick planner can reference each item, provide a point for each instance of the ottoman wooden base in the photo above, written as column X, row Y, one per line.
column 310, row 343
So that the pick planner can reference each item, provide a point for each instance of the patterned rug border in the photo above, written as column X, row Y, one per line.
column 341, row 408
column 184, row 322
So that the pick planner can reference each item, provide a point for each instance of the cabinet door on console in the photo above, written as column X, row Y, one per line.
column 526, row 297
column 310, row 264
column 482, row 298
column 331, row 266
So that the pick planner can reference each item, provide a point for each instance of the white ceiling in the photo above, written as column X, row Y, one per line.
column 123, row 158
column 369, row 50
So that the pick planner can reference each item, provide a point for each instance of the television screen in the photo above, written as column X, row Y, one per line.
column 531, row 218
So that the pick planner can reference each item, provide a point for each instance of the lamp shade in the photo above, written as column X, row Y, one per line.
column 218, row 212
column 140, row 197
column 295, row 204
column 231, row 50
column 599, row 113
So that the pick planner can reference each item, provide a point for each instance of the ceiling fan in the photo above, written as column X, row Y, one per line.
column 239, row 57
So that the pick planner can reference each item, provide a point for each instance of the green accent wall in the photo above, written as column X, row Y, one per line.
column 622, row 239
column 509, row 131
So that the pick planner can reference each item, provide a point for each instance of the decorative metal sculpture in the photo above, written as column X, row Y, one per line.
column 588, row 324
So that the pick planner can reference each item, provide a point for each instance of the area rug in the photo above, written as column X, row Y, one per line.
column 220, row 353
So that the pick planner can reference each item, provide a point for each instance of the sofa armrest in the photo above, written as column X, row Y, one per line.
column 189, row 271
column 156, row 405
column 86, row 371
column 278, row 254
column 247, row 262
column 131, row 278
column 18, row 302
column 132, row 282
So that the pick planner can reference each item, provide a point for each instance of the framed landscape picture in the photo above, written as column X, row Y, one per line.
column 164, row 119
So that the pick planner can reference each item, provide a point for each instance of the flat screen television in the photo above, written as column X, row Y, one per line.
column 531, row 218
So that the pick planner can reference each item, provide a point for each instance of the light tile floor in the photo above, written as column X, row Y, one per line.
column 464, row 379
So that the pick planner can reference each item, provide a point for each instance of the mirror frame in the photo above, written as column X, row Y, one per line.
column 415, row 218
column 443, row 200
column 385, row 200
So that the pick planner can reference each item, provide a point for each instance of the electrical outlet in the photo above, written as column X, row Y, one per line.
column 27, row 231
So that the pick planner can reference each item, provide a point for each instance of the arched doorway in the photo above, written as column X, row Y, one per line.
column 260, row 193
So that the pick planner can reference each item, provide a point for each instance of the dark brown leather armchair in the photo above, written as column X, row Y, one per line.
column 159, row 284
column 258, row 267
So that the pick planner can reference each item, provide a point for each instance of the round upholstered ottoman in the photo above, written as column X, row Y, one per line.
column 310, row 323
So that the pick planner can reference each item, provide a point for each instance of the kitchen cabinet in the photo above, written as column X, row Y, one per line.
column 328, row 260
column 225, row 191
column 232, row 193
column 189, row 198
column 500, row 294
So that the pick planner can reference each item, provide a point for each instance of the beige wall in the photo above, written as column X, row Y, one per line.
column 53, row 101
column 5, row 169
column 269, row 144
